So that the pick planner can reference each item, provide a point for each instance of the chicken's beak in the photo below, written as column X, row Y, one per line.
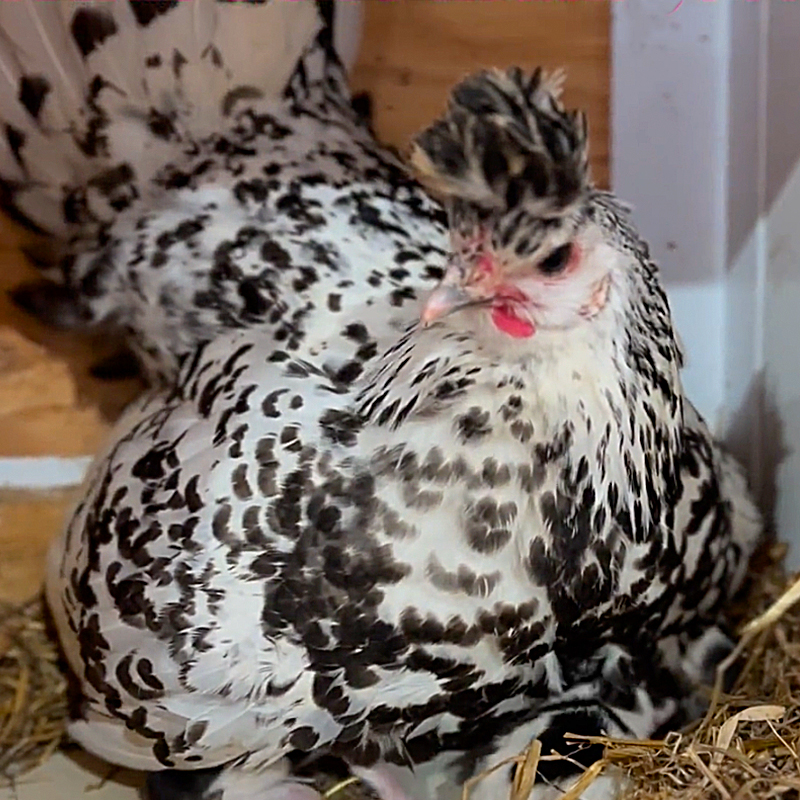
column 443, row 301
column 455, row 291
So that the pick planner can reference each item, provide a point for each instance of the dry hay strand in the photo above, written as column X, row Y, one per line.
column 33, row 690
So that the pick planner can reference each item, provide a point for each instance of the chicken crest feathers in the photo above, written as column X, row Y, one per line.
column 506, row 141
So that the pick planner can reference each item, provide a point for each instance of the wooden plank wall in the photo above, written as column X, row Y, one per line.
column 413, row 52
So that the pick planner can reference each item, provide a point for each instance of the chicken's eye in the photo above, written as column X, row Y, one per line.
column 556, row 261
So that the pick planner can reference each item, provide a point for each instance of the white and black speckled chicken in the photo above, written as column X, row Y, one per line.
column 202, row 168
column 512, row 525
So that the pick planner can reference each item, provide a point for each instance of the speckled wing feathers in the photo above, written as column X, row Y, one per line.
column 263, row 502
column 245, row 208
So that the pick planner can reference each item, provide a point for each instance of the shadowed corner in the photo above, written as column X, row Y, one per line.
column 756, row 438
column 52, row 304
column 180, row 785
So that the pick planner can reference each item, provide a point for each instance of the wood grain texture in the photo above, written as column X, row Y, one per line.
column 28, row 523
column 413, row 51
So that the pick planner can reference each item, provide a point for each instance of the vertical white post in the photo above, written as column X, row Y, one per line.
column 669, row 124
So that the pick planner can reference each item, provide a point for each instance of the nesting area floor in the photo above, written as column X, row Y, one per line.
column 67, row 776
column 54, row 415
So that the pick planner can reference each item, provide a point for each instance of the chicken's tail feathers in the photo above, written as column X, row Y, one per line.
column 96, row 97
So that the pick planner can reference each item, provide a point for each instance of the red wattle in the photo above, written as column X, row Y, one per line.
column 505, row 320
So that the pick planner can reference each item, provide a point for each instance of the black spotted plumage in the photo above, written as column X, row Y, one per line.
column 201, row 188
column 510, row 523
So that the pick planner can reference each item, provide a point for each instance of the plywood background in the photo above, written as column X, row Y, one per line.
column 413, row 52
